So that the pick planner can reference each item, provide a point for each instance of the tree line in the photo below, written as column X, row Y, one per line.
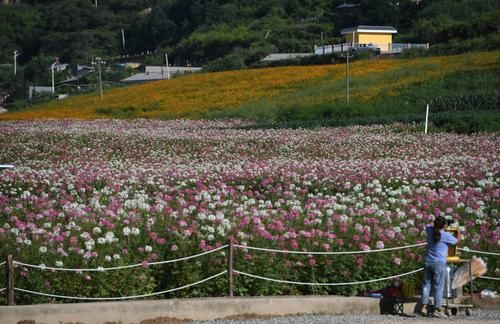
column 222, row 34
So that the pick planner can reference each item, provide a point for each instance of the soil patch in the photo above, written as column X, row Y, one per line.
column 165, row 320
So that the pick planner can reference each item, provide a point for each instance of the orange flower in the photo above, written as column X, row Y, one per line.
column 192, row 95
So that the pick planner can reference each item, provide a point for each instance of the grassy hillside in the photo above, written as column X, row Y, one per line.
column 378, row 89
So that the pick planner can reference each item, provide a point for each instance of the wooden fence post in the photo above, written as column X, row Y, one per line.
column 230, row 269
column 10, row 280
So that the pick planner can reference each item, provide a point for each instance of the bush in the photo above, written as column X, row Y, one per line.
column 467, row 101
column 233, row 61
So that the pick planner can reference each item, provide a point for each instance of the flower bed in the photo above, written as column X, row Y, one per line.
column 109, row 193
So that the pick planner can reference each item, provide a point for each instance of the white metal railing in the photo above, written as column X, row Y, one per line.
column 384, row 48
column 399, row 47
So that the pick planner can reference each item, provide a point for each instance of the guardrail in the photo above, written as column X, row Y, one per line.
column 10, row 264
column 385, row 48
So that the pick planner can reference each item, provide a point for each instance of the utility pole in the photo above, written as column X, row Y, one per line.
column 123, row 38
column 16, row 54
column 52, row 67
column 100, row 75
column 168, row 68
column 96, row 3
column 347, row 76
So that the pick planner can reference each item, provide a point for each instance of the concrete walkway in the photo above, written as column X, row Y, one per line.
column 191, row 309
column 176, row 311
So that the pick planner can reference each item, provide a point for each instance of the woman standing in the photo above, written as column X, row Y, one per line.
column 435, row 264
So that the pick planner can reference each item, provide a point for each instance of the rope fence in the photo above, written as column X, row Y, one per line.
column 328, row 252
column 121, row 267
column 10, row 263
column 479, row 252
column 323, row 283
column 490, row 278
column 123, row 297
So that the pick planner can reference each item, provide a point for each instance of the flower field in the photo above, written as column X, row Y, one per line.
column 89, row 194
column 263, row 90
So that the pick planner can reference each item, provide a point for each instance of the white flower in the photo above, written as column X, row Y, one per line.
column 110, row 237
column 97, row 230
column 116, row 256
column 101, row 240
column 126, row 231
column 108, row 258
column 148, row 248
column 27, row 242
column 59, row 264
column 135, row 231
column 42, row 249
column 89, row 244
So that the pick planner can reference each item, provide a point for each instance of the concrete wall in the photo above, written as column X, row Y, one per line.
column 381, row 40
column 195, row 309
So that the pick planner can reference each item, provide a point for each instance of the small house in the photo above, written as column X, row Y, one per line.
column 381, row 36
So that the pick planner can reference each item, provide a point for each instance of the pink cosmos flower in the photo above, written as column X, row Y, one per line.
column 397, row 261
column 364, row 247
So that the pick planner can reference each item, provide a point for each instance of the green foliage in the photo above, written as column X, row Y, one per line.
column 467, row 101
column 38, row 71
column 231, row 61
column 228, row 34
column 216, row 42
column 463, row 102
column 20, row 28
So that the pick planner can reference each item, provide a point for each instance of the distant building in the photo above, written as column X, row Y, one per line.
column 61, row 67
column 79, row 71
column 275, row 57
column 155, row 73
column 36, row 90
column 381, row 36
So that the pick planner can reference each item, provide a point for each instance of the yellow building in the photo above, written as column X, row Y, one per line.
column 381, row 36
